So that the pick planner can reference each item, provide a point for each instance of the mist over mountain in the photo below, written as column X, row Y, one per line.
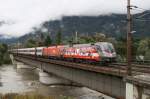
column 113, row 25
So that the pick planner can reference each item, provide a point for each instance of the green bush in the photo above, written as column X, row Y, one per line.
column 31, row 96
column 4, row 55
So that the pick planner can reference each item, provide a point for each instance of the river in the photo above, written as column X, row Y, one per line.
column 13, row 80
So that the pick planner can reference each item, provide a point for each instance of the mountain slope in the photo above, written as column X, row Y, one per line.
column 111, row 25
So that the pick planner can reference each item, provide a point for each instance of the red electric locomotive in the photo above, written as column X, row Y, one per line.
column 101, row 51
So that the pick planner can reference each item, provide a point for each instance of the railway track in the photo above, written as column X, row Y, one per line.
column 135, row 67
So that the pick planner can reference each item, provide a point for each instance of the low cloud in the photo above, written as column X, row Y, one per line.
column 20, row 16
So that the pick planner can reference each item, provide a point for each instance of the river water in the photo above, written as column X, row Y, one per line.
column 13, row 80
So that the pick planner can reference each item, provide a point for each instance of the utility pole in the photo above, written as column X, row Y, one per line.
column 129, row 39
column 17, row 47
column 76, row 37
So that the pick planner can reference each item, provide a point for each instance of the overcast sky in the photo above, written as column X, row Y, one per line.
column 21, row 16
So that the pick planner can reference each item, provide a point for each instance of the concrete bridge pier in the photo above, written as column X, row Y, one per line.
column 133, row 91
column 12, row 58
column 51, row 79
column 138, row 87
column 18, row 64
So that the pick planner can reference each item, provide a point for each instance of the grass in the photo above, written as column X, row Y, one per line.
column 30, row 96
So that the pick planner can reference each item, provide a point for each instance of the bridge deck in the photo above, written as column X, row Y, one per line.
column 99, row 69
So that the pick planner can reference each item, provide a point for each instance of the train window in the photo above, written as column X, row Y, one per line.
column 108, row 48
column 39, row 50
column 111, row 48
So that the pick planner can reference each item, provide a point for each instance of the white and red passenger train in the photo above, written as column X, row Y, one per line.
column 97, row 52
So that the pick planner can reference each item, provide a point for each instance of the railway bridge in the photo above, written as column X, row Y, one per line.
column 109, row 80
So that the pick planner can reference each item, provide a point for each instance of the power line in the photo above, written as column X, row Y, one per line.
column 136, row 7
column 141, row 19
column 140, row 9
column 144, row 9
column 143, row 15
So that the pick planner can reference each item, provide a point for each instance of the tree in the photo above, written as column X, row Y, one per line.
column 144, row 48
column 47, row 41
column 147, row 55
column 31, row 43
column 58, row 37
column 99, row 37
column 120, row 47
column 4, row 56
column 135, row 44
column 3, row 48
column 41, row 37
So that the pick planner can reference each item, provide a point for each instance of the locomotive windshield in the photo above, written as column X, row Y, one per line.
column 107, row 48
column 110, row 48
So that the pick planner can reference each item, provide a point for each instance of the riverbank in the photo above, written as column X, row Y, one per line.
column 26, row 83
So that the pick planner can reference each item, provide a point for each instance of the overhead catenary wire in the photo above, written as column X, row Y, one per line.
column 137, row 10
column 140, row 17
column 144, row 9
column 143, row 15
column 136, row 7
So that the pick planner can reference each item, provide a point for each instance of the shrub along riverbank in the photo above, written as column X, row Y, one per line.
column 31, row 96
column 4, row 55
